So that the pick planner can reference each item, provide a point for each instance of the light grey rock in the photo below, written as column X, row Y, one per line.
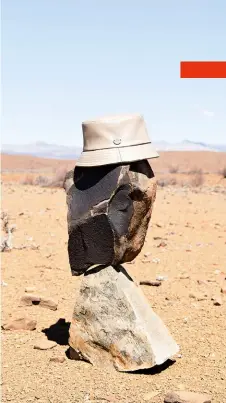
column 20, row 323
column 30, row 299
column 114, row 325
column 187, row 397
column 44, row 344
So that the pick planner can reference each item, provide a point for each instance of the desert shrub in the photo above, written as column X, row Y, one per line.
column 222, row 172
column 59, row 177
column 173, row 169
column 197, row 179
column 195, row 171
column 42, row 181
column 166, row 182
column 28, row 180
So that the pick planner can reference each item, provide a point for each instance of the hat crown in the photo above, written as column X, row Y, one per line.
column 113, row 132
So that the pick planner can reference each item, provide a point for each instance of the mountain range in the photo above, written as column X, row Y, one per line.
column 45, row 150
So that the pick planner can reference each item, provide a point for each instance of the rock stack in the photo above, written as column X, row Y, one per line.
column 109, row 210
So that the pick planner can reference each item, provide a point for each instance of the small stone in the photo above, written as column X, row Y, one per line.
column 156, row 260
column 29, row 289
column 198, row 297
column 22, row 323
column 4, row 284
column 162, row 245
column 44, row 344
column 59, row 359
column 161, row 278
column 202, row 282
column 217, row 301
column 187, row 397
column 147, row 254
column 148, row 396
column 151, row 283
column 30, row 299
column 223, row 290
column 49, row 303
column 181, row 386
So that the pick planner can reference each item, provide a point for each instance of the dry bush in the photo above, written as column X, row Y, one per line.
column 173, row 169
column 166, row 182
column 57, row 180
column 28, row 180
column 197, row 179
column 195, row 171
column 222, row 172
column 42, row 181
column 59, row 177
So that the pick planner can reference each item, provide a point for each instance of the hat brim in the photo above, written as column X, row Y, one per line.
column 117, row 155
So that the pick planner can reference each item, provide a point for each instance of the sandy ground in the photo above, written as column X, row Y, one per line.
column 183, row 161
column 193, row 225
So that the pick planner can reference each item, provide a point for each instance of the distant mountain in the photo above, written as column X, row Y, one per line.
column 188, row 145
column 45, row 150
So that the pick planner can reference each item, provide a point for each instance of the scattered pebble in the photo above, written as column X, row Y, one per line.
column 151, row 283
column 4, row 284
column 217, row 301
column 44, row 344
column 22, row 323
column 202, row 282
column 148, row 396
column 198, row 297
column 59, row 359
column 29, row 289
column 30, row 299
column 186, row 397
column 161, row 278
column 162, row 245
column 156, row 260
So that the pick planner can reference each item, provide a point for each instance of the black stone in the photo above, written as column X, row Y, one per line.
column 100, row 209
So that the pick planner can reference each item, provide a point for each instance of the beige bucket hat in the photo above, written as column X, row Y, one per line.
column 115, row 139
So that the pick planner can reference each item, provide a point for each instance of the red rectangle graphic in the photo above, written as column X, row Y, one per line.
column 202, row 69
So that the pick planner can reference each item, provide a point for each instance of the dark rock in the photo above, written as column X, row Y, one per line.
column 151, row 283
column 114, row 200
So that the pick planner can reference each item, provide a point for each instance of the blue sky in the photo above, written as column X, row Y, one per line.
column 65, row 61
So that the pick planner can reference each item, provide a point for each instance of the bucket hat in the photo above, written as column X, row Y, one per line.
column 115, row 140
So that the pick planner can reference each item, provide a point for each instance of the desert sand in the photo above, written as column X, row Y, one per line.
column 186, row 244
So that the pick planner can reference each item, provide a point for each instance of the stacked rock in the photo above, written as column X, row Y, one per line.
column 110, row 196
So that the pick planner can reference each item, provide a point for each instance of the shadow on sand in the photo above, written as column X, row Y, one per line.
column 58, row 332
